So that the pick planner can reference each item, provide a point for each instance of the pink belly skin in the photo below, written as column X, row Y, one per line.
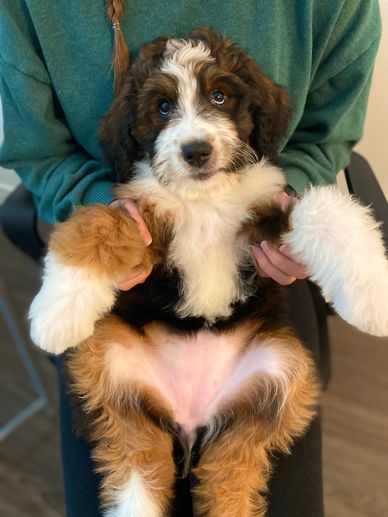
column 193, row 376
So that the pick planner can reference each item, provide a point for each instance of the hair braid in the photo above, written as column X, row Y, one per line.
column 120, row 58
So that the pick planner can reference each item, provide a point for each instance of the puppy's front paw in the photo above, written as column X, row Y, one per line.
column 102, row 239
column 89, row 255
column 341, row 244
column 69, row 303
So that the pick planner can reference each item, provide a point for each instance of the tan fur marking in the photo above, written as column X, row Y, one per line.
column 234, row 468
column 134, row 443
column 125, row 440
column 159, row 225
column 102, row 239
column 232, row 473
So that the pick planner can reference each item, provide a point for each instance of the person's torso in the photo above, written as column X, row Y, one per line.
column 76, row 40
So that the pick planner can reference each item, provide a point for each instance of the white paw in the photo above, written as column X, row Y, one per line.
column 339, row 241
column 67, row 306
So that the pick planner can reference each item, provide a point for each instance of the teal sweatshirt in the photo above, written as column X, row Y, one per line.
column 56, row 82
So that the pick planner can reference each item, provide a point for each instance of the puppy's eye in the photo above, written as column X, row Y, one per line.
column 164, row 108
column 218, row 97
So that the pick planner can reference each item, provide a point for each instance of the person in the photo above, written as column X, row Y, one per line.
column 56, row 83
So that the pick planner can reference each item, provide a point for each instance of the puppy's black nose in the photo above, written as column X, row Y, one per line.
column 197, row 153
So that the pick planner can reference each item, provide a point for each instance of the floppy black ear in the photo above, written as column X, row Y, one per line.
column 118, row 144
column 271, row 113
column 269, row 102
column 116, row 130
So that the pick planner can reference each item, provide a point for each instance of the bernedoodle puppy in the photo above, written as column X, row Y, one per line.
column 201, row 352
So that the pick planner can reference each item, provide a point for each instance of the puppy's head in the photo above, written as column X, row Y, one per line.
column 196, row 108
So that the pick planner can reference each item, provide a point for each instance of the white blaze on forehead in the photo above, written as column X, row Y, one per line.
column 185, row 53
column 182, row 60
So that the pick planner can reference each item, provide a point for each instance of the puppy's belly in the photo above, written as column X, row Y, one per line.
column 195, row 375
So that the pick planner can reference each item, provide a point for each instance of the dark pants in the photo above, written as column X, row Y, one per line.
column 295, row 489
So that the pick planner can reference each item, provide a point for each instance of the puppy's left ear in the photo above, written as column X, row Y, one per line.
column 270, row 103
column 118, row 144
column 271, row 111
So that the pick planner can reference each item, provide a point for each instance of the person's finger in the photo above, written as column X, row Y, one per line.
column 136, row 279
column 133, row 211
column 269, row 269
column 286, row 264
column 285, row 200
column 258, row 268
column 285, row 249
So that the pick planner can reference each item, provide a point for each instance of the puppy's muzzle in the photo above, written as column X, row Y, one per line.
column 197, row 153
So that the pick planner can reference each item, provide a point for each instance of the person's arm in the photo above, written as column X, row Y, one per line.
column 331, row 125
column 334, row 113
column 40, row 147
column 332, row 119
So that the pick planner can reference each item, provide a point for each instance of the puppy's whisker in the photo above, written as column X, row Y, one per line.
column 243, row 155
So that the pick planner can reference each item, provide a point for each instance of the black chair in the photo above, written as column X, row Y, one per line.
column 18, row 219
column 19, row 222
column 363, row 184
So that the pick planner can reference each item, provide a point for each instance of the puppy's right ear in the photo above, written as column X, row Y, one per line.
column 118, row 144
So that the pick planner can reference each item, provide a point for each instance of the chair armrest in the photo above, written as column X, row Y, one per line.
column 18, row 218
column 363, row 184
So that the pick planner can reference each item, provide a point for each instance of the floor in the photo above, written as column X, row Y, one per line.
column 355, row 425
column 355, row 410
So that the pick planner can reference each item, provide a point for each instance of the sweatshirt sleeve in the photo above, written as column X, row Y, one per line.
column 39, row 146
column 333, row 116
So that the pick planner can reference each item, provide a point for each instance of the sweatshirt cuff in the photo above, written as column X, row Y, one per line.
column 98, row 192
column 297, row 180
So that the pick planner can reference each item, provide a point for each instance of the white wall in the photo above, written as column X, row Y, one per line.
column 374, row 144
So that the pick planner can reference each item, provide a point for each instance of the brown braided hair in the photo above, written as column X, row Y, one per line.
column 120, row 58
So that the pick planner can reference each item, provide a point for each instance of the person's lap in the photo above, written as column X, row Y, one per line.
column 295, row 488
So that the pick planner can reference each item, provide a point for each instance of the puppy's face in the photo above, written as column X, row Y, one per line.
column 198, row 109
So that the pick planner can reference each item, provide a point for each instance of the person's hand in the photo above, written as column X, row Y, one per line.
column 279, row 264
column 139, row 276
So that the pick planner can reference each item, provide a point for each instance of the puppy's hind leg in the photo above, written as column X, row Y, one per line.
column 264, row 416
column 138, row 470
column 130, row 431
column 232, row 474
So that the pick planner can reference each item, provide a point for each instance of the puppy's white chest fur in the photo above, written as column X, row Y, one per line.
column 208, row 246
column 207, row 251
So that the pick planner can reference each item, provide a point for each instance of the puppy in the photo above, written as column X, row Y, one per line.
column 202, row 352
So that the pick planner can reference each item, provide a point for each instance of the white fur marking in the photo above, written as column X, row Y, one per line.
column 207, row 220
column 182, row 55
column 184, row 64
column 135, row 500
column 169, row 165
column 339, row 241
column 183, row 60
column 207, row 249
column 67, row 306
